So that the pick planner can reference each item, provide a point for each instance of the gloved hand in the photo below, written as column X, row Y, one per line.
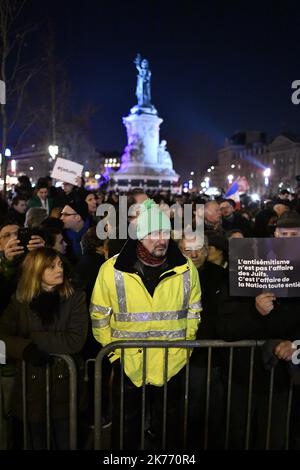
column 267, row 352
column 35, row 356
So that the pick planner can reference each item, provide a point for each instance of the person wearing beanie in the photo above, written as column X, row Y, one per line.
column 149, row 291
column 265, row 223
column 76, row 223
column 288, row 225
column 218, row 248
column 40, row 198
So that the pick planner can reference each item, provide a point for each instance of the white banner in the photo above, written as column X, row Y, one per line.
column 65, row 170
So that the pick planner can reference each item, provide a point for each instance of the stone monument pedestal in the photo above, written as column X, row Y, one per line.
column 145, row 162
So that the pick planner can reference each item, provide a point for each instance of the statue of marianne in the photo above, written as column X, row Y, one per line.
column 143, row 88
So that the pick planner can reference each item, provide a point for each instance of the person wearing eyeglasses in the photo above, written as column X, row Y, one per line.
column 232, row 219
column 76, row 223
column 211, row 276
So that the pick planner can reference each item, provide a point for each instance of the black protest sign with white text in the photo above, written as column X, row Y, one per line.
column 258, row 265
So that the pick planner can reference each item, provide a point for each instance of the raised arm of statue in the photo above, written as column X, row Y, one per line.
column 137, row 62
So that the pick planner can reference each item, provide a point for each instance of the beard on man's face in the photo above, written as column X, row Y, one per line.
column 159, row 250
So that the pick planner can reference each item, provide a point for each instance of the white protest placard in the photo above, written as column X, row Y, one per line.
column 66, row 170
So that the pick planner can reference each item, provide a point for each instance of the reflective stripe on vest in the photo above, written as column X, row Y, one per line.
column 193, row 316
column 196, row 306
column 124, row 316
column 100, row 323
column 150, row 316
column 148, row 334
column 186, row 289
column 120, row 286
column 100, row 309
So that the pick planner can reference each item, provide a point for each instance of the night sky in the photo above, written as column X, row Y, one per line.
column 217, row 67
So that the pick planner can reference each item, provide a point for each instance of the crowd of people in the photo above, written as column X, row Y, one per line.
column 54, row 269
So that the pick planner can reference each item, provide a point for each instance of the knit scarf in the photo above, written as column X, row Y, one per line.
column 145, row 257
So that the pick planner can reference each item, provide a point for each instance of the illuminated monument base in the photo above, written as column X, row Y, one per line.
column 145, row 161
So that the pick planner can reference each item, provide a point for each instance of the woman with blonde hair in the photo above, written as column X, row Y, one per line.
column 45, row 316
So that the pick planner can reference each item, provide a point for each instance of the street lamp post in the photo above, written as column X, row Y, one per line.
column 4, row 134
column 3, row 163
column 267, row 174
column 53, row 151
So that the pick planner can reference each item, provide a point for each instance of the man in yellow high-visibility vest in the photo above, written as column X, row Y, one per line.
column 150, row 291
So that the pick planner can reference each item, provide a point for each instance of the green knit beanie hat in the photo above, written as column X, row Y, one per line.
column 151, row 219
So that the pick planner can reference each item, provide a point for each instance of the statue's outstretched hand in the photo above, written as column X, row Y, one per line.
column 137, row 60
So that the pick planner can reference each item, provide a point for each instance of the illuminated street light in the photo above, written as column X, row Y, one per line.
column 53, row 151
column 209, row 170
column 13, row 166
column 255, row 197
column 192, row 173
column 232, row 166
column 230, row 178
column 267, row 173
column 86, row 174
column 7, row 152
column 206, row 179
column 212, row 167
column 97, row 176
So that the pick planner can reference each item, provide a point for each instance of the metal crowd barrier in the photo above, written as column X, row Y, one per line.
column 144, row 345
column 210, row 345
column 72, row 404
column 1, row 410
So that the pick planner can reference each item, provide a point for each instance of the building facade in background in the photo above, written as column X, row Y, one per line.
column 268, row 164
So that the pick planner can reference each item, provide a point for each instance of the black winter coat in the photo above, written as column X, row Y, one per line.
column 19, row 326
column 238, row 319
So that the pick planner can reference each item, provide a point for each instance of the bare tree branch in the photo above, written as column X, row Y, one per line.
column 26, row 129
column 14, row 72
